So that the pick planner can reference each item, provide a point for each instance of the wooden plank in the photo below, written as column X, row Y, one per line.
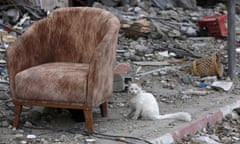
column 152, row 63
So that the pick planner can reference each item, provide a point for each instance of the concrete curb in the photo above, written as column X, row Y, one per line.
column 196, row 125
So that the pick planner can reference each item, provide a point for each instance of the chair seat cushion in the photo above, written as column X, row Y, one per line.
column 53, row 82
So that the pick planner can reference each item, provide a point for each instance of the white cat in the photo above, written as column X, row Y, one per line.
column 144, row 105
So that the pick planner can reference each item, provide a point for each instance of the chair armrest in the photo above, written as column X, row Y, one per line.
column 26, row 52
column 100, row 78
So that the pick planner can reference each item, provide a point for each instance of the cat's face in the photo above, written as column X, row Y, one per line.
column 134, row 89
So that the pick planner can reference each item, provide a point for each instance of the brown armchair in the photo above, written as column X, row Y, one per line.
column 66, row 61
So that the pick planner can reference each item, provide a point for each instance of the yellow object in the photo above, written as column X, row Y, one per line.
column 9, row 38
column 208, row 66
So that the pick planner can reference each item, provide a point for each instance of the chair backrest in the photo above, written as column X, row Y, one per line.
column 72, row 34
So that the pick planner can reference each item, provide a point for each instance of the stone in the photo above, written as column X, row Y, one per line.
column 31, row 136
column 4, row 124
column 138, row 28
column 186, row 4
column 19, row 136
column 78, row 137
column 140, row 50
column 110, row 3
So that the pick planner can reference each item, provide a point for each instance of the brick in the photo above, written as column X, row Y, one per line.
column 121, row 68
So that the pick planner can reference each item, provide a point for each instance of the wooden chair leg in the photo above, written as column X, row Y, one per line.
column 88, row 120
column 103, row 108
column 17, row 112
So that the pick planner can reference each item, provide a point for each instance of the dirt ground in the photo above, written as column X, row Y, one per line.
column 57, row 126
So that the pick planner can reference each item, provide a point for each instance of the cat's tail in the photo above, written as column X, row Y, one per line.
column 184, row 116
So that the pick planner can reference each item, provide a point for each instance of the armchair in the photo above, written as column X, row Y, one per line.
column 65, row 61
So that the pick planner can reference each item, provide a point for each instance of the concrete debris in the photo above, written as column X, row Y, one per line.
column 165, row 4
column 224, row 85
column 169, row 68
column 207, row 140
column 224, row 131
column 150, row 63
column 137, row 28
column 196, row 92
column 47, row 5
column 90, row 141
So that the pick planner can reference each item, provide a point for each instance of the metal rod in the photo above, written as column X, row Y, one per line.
column 231, row 39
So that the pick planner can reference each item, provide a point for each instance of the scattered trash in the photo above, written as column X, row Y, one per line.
column 152, row 63
column 169, row 68
column 213, row 26
column 208, row 66
column 31, row 136
column 196, row 92
column 2, row 61
column 188, row 29
column 90, row 141
column 202, row 84
column 9, row 38
column 207, row 140
column 137, row 28
column 224, row 85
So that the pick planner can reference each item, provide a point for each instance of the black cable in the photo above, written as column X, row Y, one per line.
column 95, row 134
column 128, row 137
column 113, row 139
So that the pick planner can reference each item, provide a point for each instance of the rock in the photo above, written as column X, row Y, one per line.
column 163, row 4
column 224, row 85
column 127, row 55
column 186, row 79
column 140, row 50
column 135, row 58
column 205, row 139
column 78, row 137
column 90, row 141
column 63, row 138
column 4, row 124
column 110, row 3
column 23, row 142
column 138, row 28
column 186, row 4
column 31, row 136
column 19, row 136
column 28, row 124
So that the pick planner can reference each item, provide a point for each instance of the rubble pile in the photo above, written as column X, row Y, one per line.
column 224, row 132
column 16, row 16
column 162, row 44
column 151, row 34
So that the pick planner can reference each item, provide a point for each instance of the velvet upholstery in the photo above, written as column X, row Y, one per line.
column 66, row 58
